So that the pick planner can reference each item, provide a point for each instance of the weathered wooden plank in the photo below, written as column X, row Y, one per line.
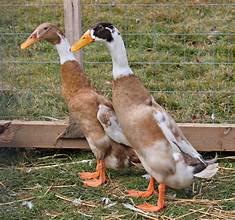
column 73, row 24
column 42, row 134
column 210, row 137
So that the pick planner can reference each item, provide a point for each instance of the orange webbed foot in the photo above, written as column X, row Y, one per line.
column 88, row 175
column 140, row 194
column 143, row 194
column 100, row 169
column 160, row 204
column 91, row 175
column 150, row 208
column 94, row 182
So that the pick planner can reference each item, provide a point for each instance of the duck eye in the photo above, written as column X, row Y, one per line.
column 45, row 28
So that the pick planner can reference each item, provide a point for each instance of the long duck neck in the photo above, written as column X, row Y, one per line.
column 73, row 78
column 119, row 58
column 63, row 49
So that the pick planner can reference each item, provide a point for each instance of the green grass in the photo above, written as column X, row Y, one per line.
column 177, row 70
column 20, row 179
column 176, row 65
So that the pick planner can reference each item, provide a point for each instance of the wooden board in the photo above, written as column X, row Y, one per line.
column 42, row 134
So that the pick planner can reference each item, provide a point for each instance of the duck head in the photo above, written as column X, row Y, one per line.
column 104, row 32
column 110, row 35
column 45, row 31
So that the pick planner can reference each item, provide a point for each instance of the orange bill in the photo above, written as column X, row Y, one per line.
column 31, row 40
column 84, row 40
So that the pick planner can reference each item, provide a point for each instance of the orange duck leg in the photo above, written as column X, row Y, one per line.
column 143, row 194
column 91, row 175
column 160, row 204
column 100, row 169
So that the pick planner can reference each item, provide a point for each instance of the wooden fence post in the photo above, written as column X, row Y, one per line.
column 73, row 24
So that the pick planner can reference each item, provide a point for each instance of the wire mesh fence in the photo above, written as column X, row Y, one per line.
column 183, row 51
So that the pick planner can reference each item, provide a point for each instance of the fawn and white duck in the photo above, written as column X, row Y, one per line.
column 159, row 143
column 87, row 107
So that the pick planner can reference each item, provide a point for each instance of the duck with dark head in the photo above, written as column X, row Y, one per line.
column 162, row 148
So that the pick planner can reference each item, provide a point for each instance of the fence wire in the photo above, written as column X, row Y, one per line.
column 183, row 51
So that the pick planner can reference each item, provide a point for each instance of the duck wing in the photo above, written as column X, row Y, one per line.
column 109, row 122
column 173, row 133
column 179, row 143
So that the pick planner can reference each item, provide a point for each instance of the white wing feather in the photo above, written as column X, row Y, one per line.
column 109, row 122
column 170, row 129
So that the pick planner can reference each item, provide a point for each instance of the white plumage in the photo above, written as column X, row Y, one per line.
column 108, row 120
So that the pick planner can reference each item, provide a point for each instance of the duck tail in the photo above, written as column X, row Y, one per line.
column 212, row 160
column 210, row 170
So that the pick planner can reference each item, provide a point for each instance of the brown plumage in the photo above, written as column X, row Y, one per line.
column 83, row 101
column 163, row 150
column 129, row 99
